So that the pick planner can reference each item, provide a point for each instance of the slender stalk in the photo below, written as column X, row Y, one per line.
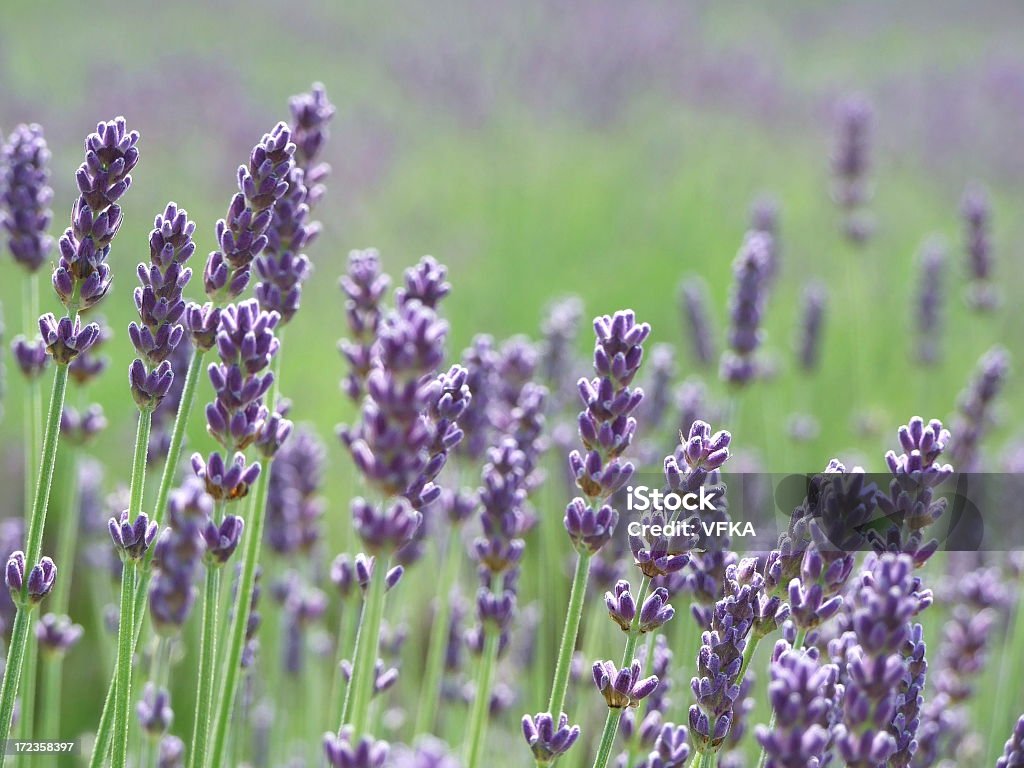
column 347, row 631
column 482, row 697
column 207, row 667
column 125, row 644
column 239, row 624
column 611, row 728
column 188, row 396
column 569, row 634
column 431, row 688
column 15, row 656
column 27, row 721
column 36, row 523
column 360, row 688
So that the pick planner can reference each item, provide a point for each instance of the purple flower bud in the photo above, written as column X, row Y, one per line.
column 622, row 688
column 385, row 527
column 154, row 710
column 341, row 752
column 589, row 530
column 40, row 579
column 425, row 283
column 80, row 428
column 30, row 356
column 982, row 295
column 171, row 752
column 548, row 741
column 1013, row 751
column 222, row 540
column 149, row 387
column 311, row 112
column 57, row 634
column 132, row 539
column 746, row 309
column 693, row 304
column 65, row 340
column 202, row 322
column 225, row 482
column 671, row 749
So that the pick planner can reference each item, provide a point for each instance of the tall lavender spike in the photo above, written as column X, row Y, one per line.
column 311, row 112
column 242, row 234
column 974, row 408
column 294, row 506
column 929, row 303
column 764, row 217
column 391, row 443
column 560, row 329
column 812, row 318
column 1013, row 752
column 887, row 597
column 693, row 303
column 160, row 305
column 720, row 660
column 178, row 557
column 25, row 196
column 850, row 160
column 82, row 276
column 977, row 213
column 800, row 732
column 746, row 310
column 364, row 286
column 909, row 699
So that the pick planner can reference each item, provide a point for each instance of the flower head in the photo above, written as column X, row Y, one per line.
column 622, row 687
column 132, row 539
column 549, row 740
column 40, row 579
column 64, row 339
column 25, row 196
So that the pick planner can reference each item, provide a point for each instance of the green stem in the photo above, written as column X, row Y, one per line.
column 123, row 688
column 36, row 523
column 360, row 687
column 430, row 691
column 348, row 626
column 52, row 672
column 207, row 667
column 27, row 721
column 188, row 397
column 611, row 728
column 572, row 627
column 240, row 621
column 15, row 656
column 482, row 696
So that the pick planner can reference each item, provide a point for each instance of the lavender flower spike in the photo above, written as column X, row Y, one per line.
column 929, row 303
column 65, row 340
column 82, row 276
column 25, row 196
column 977, row 213
column 548, row 740
column 815, row 299
column 851, row 188
column 242, row 234
column 693, row 304
column 364, row 286
column 746, row 309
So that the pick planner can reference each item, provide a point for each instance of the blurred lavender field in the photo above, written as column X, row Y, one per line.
column 547, row 149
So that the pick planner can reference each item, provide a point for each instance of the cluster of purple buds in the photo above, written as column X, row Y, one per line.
column 178, row 557
column 57, row 634
column 671, row 748
column 910, row 504
column 82, row 276
column 282, row 266
column 66, row 339
column 242, row 234
column 909, row 699
column 364, row 286
column 799, row 734
column 79, row 428
column 1013, row 751
column 160, row 305
column 311, row 112
column 89, row 365
column 30, row 356
column 385, row 527
column 624, row 687
column 977, row 213
column 886, row 599
column 516, row 366
column 851, row 189
column 499, row 548
column 549, row 740
column 25, row 196
column 383, row 677
column 481, row 362
column 222, row 539
column 294, row 506
column 348, row 573
column 622, row 608
column 974, row 408
column 391, row 446
column 447, row 401
column 693, row 303
column 746, row 310
column 342, row 751
column 154, row 711
column 40, row 579
column 812, row 318
column 720, row 660
column 132, row 538
column 929, row 303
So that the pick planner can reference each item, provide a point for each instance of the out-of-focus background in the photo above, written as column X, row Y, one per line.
column 586, row 147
